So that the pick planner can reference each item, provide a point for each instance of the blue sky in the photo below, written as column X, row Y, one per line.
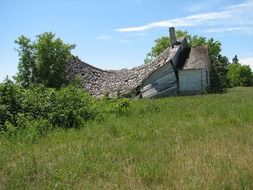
column 113, row 34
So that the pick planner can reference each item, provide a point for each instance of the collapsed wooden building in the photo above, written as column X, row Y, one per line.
column 178, row 70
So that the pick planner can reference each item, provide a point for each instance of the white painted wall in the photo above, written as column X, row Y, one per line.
column 193, row 80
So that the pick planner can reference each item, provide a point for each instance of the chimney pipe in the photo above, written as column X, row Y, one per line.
column 173, row 38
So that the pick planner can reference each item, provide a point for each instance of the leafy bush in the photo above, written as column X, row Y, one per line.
column 67, row 107
column 71, row 107
column 239, row 75
column 37, row 102
column 121, row 107
column 10, row 102
column 118, row 107
column 38, row 108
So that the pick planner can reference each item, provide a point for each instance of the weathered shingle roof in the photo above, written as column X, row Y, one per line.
column 198, row 58
column 100, row 82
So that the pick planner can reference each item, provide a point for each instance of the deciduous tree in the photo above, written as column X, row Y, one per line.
column 43, row 61
column 239, row 75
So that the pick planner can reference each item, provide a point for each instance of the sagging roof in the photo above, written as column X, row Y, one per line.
column 113, row 82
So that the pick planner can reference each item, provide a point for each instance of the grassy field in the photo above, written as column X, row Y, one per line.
column 191, row 142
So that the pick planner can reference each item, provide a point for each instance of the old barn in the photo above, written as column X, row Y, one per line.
column 178, row 70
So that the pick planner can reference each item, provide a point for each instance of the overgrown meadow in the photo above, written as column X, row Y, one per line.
column 76, row 142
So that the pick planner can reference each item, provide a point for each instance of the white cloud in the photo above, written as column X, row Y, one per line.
column 138, row 34
column 215, row 30
column 233, row 18
column 191, row 20
column 247, row 61
column 239, row 6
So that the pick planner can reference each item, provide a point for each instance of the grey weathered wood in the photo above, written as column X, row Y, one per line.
column 162, row 81
column 162, row 71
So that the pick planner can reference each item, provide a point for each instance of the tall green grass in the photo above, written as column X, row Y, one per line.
column 191, row 142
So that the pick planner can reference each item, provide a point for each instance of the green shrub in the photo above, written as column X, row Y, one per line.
column 10, row 102
column 37, row 102
column 67, row 107
column 121, row 107
column 239, row 75
column 71, row 107
column 118, row 107
column 32, row 108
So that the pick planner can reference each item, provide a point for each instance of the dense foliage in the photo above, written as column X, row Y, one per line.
column 161, row 44
column 43, row 61
column 68, row 107
column 239, row 75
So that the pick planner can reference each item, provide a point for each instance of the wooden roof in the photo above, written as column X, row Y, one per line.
column 100, row 82
column 198, row 58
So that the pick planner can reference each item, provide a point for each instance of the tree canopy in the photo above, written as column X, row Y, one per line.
column 43, row 61
column 239, row 75
column 161, row 44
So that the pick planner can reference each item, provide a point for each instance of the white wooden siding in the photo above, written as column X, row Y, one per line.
column 191, row 80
